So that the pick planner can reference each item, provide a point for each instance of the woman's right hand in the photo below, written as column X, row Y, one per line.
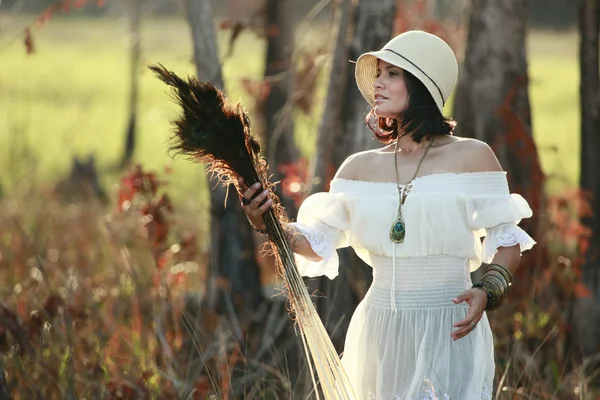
column 252, row 205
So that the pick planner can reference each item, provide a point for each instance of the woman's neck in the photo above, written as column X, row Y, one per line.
column 408, row 145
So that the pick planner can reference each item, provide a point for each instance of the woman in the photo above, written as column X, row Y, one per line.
column 415, row 210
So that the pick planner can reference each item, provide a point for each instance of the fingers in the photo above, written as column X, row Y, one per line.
column 259, row 202
column 465, row 329
column 466, row 322
column 254, row 202
column 476, row 301
column 250, row 192
column 264, row 205
column 460, row 298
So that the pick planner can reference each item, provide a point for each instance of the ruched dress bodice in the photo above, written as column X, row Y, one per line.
column 398, row 344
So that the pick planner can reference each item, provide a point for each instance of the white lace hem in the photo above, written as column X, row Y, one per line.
column 323, row 240
column 432, row 394
column 505, row 235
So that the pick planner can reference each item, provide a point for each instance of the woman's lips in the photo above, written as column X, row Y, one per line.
column 379, row 98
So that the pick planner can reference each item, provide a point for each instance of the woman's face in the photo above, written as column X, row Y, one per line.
column 391, row 94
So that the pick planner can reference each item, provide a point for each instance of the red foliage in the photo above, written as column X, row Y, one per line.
column 9, row 322
column 520, row 141
column 293, row 183
column 124, row 389
column 581, row 291
column 258, row 90
column 517, row 137
column 29, row 46
column 64, row 6
column 416, row 15
column 137, row 182
column 155, row 209
column 26, row 333
column 237, row 27
column 46, row 15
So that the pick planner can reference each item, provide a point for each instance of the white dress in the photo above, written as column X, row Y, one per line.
column 398, row 344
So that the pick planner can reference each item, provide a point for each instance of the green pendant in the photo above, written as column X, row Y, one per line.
column 398, row 231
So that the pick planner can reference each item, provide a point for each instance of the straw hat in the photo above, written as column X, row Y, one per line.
column 424, row 55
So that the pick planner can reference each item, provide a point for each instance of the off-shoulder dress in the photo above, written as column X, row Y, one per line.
column 398, row 344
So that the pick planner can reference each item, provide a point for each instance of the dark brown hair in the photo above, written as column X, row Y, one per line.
column 422, row 117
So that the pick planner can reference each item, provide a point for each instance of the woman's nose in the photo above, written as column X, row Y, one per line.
column 378, row 84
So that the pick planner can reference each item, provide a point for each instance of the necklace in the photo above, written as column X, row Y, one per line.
column 398, row 229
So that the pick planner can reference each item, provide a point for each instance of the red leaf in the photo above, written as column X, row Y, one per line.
column 46, row 15
column 581, row 291
column 29, row 42
column 293, row 183
column 226, row 24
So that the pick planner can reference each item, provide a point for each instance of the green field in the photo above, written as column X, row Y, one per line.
column 70, row 98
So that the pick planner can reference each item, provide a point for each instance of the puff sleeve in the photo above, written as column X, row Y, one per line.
column 324, row 219
column 496, row 216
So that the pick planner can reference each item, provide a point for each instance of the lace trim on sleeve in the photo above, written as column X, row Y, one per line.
column 505, row 235
column 324, row 240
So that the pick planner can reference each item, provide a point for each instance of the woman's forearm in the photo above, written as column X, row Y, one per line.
column 508, row 257
column 301, row 245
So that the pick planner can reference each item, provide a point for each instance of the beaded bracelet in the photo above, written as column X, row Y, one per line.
column 490, row 299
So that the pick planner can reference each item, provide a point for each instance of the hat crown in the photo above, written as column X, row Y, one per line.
column 431, row 55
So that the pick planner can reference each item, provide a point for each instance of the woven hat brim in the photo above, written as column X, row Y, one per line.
column 366, row 74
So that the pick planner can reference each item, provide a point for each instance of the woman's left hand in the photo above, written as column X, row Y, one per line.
column 477, row 300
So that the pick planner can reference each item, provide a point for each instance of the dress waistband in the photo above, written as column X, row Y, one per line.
column 418, row 282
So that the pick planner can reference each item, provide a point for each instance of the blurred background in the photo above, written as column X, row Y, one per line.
column 127, row 273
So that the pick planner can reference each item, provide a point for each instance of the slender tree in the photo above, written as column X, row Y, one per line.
column 331, row 120
column 586, row 317
column 135, row 12
column 232, row 246
column 280, row 148
column 372, row 28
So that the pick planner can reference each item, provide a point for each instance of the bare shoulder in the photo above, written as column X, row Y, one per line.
column 478, row 155
column 352, row 164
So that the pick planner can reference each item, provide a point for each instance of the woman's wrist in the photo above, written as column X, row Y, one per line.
column 496, row 281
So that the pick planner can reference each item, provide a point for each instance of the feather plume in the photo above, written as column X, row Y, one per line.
column 211, row 130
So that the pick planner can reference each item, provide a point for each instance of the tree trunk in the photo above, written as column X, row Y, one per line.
column 492, row 105
column 492, row 101
column 135, row 13
column 587, row 313
column 331, row 120
column 206, row 55
column 370, row 27
column 232, row 244
column 280, row 147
